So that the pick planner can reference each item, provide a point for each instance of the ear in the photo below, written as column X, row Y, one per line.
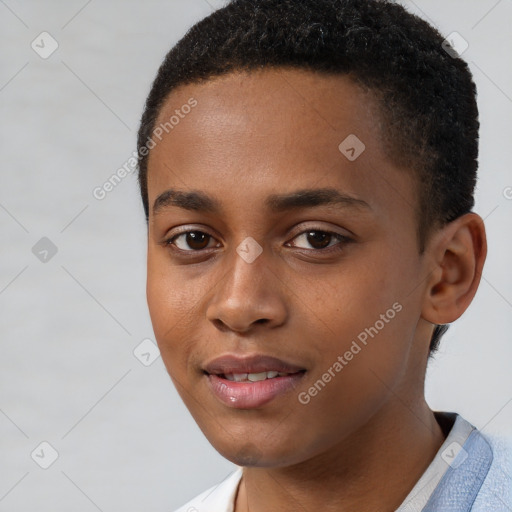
column 457, row 255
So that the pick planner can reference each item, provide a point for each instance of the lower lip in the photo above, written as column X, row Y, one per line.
column 251, row 395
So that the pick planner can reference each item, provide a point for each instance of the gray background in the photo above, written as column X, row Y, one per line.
column 69, row 325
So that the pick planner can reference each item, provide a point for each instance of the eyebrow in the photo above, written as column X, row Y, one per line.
column 195, row 200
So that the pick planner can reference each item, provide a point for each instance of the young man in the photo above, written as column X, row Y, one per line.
column 307, row 170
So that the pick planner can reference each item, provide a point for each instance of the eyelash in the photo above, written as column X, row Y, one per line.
column 342, row 240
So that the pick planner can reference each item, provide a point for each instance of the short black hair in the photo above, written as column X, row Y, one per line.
column 425, row 94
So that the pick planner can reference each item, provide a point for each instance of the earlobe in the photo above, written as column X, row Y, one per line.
column 458, row 252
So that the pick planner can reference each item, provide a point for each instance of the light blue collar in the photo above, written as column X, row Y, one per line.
column 459, row 487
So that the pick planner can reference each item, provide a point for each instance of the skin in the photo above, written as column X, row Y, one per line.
column 365, row 439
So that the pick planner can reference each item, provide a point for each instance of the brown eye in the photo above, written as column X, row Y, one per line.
column 318, row 239
column 195, row 240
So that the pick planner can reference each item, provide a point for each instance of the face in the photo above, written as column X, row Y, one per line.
column 284, row 277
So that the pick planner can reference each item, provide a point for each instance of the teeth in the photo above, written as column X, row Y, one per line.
column 253, row 377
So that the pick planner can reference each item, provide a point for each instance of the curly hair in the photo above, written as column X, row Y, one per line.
column 426, row 95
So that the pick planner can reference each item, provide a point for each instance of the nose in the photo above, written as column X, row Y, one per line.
column 248, row 295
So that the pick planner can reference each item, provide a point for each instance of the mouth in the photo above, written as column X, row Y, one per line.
column 253, row 377
column 255, row 364
column 251, row 382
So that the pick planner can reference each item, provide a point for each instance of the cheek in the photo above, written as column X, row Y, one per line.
column 352, row 296
column 366, row 318
column 362, row 358
column 170, row 305
column 176, row 296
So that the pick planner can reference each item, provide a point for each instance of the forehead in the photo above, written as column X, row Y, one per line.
column 295, row 105
column 251, row 133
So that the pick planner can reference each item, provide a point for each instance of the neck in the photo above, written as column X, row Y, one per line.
column 374, row 469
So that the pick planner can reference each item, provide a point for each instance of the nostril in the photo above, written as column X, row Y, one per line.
column 220, row 325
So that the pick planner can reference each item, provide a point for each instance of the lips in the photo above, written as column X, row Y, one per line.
column 251, row 382
column 229, row 365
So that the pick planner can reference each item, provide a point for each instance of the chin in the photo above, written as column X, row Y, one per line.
column 256, row 453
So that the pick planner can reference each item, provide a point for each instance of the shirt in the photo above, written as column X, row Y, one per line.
column 470, row 472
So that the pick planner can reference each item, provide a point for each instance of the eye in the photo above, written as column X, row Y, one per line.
column 319, row 239
column 191, row 241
